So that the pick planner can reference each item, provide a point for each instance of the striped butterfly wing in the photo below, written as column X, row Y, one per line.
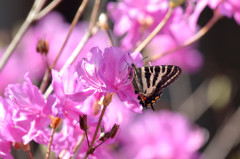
column 148, row 82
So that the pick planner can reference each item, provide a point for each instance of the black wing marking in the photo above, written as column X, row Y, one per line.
column 149, row 81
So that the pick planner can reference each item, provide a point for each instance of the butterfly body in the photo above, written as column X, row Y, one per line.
column 149, row 81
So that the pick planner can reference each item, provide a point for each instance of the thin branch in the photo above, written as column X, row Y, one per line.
column 78, row 145
column 94, row 13
column 155, row 31
column 77, row 50
column 97, row 129
column 50, row 143
column 110, row 36
column 87, row 138
column 73, row 24
column 29, row 154
column 47, row 9
column 225, row 139
column 191, row 40
column 30, row 18
column 70, row 60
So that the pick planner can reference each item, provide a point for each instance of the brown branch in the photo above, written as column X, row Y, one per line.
column 73, row 24
column 155, row 31
column 190, row 41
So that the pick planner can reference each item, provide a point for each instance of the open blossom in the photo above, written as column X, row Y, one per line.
column 52, row 28
column 69, row 94
column 108, row 71
column 162, row 135
column 27, row 112
column 137, row 21
column 5, row 145
column 5, row 148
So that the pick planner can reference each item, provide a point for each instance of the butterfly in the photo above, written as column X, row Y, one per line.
column 149, row 81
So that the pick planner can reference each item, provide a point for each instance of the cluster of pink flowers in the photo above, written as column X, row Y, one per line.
column 25, row 115
column 142, row 17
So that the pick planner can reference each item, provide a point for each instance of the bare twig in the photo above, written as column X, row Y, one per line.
column 47, row 9
column 110, row 37
column 33, row 15
column 191, row 40
column 97, row 129
column 71, row 59
column 30, row 18
column 106, row 101
column 78, row 145
column 29, row 154
column 155, row 31
column 74, row 22
column 50, row 143
column 94, row 13
column 75, row 53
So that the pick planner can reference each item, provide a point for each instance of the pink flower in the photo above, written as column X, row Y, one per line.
column 16, row 75
column 53, row 28
column 137, row 20
column 66, row 139
column 160, row 135
column 5, row 148
column 27, row 111
column 109, row 71
column 5, row 145
column 69, row 93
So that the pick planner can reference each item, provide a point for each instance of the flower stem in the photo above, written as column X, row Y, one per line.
column 78, row 145
column 110, row 37
column 74, row 22
column 29, row 154
column 97, row 129
column 50, row 143
column 155, row 31
column 191, row 40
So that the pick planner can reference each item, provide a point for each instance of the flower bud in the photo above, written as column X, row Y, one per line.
column 107, row 99
column 42, row 46
column 114, row 131
column 111, row 134
column 103, row 21
column 55, row 121
column 83, row 122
